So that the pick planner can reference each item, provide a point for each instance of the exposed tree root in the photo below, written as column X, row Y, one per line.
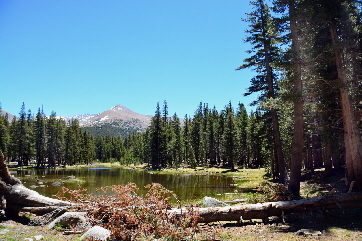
column 19, row 198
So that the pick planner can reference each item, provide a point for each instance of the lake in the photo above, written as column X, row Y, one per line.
column 50, row 181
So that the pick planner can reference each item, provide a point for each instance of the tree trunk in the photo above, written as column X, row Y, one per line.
column 269, row 209
column 280, row 162
column 19, row 198
column 278, row 147
column 317, row 149
column 298, row 134
column 308, row 162
column 352, row 136
column 328, row 157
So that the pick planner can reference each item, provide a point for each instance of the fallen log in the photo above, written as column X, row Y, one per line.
column 20, row 198
column 265, row 210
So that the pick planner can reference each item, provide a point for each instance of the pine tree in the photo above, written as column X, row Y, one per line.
column 30, row 151
column 343, row 29
column 197, row 135
column 325, row 43
column 188, row 151
column 72, row 143
column 13, row 145
column 212, row 127
column 265, row 37
column 241, row 122
column 87, row 148
column 229, row 137
column 22, row 138
column 255, row 140
column 118, row 148
column 140, row 147
column 4, row 133
column 40, row 138
column 51, row 139
column 167, row 137
column 220, row 133
column 175, row 143
column 294, row 19
column 59, row 142
column 156, row 139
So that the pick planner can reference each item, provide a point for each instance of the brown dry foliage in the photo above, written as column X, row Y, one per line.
column 271, row 192
column 130, row 216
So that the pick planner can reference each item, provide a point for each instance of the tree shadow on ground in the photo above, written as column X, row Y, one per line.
column 326, row 182
column 333, row 224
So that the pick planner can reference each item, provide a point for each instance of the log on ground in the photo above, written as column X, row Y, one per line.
column 280, row 208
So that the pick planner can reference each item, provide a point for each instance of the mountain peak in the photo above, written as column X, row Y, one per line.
column 118, row 107
column 119, row 113
column 116, row 120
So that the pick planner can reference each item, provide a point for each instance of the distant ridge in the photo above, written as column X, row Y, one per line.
column 82, row 118
column 10, row 116
column 117, row 121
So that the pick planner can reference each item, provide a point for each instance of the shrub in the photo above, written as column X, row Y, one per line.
column 270, row 192
column 129, row 216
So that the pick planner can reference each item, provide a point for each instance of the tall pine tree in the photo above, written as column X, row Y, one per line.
column 266, row 39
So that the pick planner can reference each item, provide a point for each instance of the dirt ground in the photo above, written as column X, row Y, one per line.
column 13, row 231
column 338, row 225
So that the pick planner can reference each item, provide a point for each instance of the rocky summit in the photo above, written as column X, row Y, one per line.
column 117, row 121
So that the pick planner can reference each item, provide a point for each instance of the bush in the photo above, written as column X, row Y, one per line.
column 270, row 192
column 129, row 216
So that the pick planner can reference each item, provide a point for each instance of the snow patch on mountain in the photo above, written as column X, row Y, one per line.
column 117, row 107
column 104, row 118
column 81, row 118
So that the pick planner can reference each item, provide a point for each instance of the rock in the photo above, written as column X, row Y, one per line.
column 2, row 214
column 38, row 237
column 96, row 233
column 77, row 220
column 308, row 232
column 212, row 202
column 237, row 200
column 4, row 231
column 2, row 207
column 2, row 202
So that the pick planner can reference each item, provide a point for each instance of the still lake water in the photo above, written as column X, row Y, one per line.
column 184, row 185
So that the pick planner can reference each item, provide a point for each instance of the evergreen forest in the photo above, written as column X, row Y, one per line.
column 307, row 59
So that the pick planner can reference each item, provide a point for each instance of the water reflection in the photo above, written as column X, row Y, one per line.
column 49, row 181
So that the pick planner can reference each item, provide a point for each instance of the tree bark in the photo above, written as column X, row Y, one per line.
column 19, row 198
column 352, row 136
column 298, row 134
column 328, row 157
column 269, row 209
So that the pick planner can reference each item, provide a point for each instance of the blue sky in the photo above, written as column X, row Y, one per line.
column 85, row 56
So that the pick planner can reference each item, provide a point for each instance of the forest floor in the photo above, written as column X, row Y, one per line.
column 335, row 225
